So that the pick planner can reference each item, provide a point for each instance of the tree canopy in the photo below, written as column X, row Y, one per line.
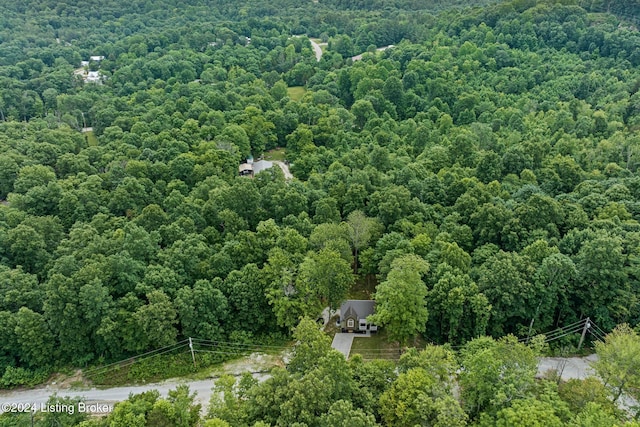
column 494, row 142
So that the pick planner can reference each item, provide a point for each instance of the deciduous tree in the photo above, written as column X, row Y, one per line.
column 618, row 363
column 400, row 300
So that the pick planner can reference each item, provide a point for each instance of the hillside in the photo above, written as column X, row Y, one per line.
column 486, row 165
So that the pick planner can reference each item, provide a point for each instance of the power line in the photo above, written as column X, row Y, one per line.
column 578, row 324
column 132, row 361
column 239, row 350
column 135, row 357
column 557, row 333
column 603, row 333
column 236, row 348
column 224, row 347
column 561, row 336
column 597, row 334
column 197, row 340
column 235, row 353
column 564, row 330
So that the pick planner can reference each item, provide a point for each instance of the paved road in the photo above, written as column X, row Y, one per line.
column 380, row 49
column 342, row 342
column 568, row 367
column 572, row 367
column 317, row 49
column 112, row 395
column 578, row 367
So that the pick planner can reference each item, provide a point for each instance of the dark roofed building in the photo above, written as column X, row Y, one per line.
column 353, row 315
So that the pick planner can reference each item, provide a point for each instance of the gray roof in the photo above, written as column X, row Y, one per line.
column 261, row 165
column 357, row 308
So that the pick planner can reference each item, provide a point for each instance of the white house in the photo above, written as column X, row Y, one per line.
column 93, row 77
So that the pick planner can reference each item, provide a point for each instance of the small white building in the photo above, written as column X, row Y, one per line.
column 93, row 77
column 96, row 58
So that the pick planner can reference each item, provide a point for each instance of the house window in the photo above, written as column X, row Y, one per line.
column 350, row 323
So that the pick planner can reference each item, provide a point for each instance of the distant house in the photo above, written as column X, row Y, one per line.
column 261, row 165
column 245, row 169
column 253, row 168
column 89, row 76
column 96, row 58
column 353, row 316
column 93, row 77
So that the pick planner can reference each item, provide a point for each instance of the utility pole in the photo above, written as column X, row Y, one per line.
column 587, row 325
column 193, row 356
column 531, row 324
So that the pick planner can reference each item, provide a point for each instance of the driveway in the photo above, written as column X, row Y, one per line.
column 285, row 169
column 342, row 342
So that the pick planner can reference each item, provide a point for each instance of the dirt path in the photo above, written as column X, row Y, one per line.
column 285, row 169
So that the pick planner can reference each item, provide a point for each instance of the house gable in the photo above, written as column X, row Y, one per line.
column 354, row 313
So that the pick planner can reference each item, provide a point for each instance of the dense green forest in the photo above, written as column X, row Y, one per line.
column 487, row 165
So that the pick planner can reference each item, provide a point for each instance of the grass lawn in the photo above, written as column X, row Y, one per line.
column 276, row 154
column 296, row 92
column 91, row 138
column 377, row 346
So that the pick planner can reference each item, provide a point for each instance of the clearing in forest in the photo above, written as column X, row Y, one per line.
column 296, row 92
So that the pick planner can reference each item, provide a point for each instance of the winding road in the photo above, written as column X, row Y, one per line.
column 572, row 367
